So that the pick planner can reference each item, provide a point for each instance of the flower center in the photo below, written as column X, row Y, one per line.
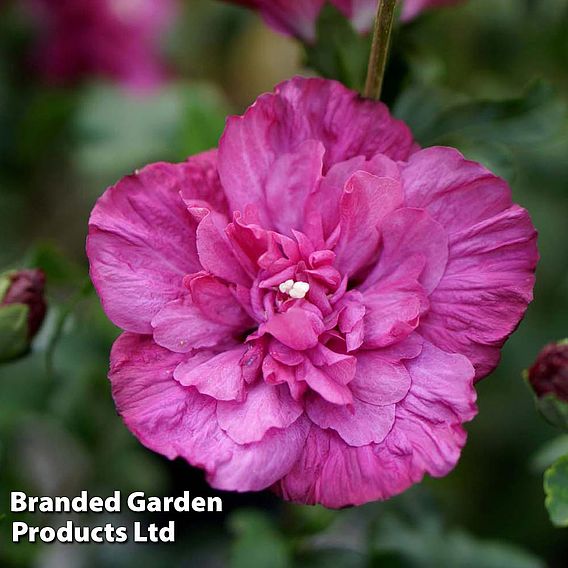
column 296, row 290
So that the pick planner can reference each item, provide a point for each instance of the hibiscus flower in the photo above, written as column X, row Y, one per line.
column 298, row 17
column 307, row 307
column 115, row 39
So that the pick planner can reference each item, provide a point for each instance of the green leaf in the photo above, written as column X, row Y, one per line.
column 556, row 490
column 440, row 117
column 339, row 52
column 428, row 545
column 257, row 542
column 549, row 453
column 13, row 331
column 554, row 410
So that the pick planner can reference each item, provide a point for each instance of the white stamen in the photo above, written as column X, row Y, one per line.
column 296, row 290
column 285, row 287
column 299, row 290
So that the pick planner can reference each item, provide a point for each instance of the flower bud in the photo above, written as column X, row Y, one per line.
column 549, row 374
column 548, row 378
column 22, row 310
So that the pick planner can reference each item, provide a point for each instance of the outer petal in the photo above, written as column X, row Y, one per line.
column 177, row 421
column 486, row 288
column 456, row 192
column 427, row 437
column 266, row 406
column 141, row 243
column 300, row 110
column 333, row 474
column 165, row 416
column 253, row 467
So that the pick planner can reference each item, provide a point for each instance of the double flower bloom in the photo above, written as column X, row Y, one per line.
column 308, row 307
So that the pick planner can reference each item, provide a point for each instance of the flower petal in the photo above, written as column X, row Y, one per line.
column 392, row 312
column 324, row 384
column 141, row 244
column 215, row 251
column 177, row 421
column 441, row 398
column 203, row 183
column 331, row 473
column 292, row 177
column 411, row 239
column 217, row 302
column 426, row 437
column 296, row 328
column 366, row 201
column 165, row 416
column 256, row 466
column 300, row 110
column 378, row 381
column 322, row 206
column 219, row 375
column 359, row 424
column 486, row 289
column 181, row 326
column 265, row 407
column 456, row 192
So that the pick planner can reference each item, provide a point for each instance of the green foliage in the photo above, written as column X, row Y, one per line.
column 117, row 133
column 440, row 117
column 556, row 489
column 339, row 52
column 257, row 542
column 428, row 545
column 493, row 132
column 406, row 532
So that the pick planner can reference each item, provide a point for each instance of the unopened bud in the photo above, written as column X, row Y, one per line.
column 22, row 310
column 548, row 378
column 549, row 374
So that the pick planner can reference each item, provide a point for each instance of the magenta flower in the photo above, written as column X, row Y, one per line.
column 298, row 17
column 115, row 39
column 307, row 307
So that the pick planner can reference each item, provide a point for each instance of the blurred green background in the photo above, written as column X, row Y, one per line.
column 489, row 77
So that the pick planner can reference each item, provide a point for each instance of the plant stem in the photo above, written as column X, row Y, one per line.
column 379, row 49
